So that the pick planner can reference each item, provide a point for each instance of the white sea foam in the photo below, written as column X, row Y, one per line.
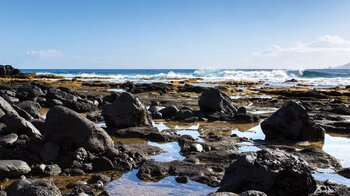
column 272, row 77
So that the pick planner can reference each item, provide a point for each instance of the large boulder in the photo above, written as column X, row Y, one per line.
column 292, row 122
column 212, row 100
column 64, row 125
column 33, row 187
column 273, row 172
column 8, row 70
column 126, row 111
column 13, row 168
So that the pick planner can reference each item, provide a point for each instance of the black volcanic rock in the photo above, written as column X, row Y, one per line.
column 8, row 71
column 273, row 172
column 126, row 111
column 212, row 100
column 292, row 122
column 64, row 125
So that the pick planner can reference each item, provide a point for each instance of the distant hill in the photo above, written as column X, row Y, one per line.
column 346, row 66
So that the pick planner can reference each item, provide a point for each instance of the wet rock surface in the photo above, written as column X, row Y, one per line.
column 272, row 172
column 292, row 122
column 203, row 136
column 212, row 100
column 13, row 168
column 33, row 187
column 126, row 111
column 66, row 127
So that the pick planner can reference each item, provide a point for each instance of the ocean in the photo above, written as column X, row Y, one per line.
column 276, row 77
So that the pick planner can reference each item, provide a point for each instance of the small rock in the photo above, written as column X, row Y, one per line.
column 8, row 139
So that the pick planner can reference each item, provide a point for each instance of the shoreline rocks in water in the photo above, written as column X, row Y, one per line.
column 292, row 122
column 270, row 171
column 126, row 111
column 71, row 147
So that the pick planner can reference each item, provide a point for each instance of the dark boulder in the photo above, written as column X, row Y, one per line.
column 273, row 172
column 13, row 168
column 8, row 71
column 212, row 100
column 33, row 187
column 65, row 125
column 126, row 111
column 169, row 111
column 184, row 114
column 292, row 122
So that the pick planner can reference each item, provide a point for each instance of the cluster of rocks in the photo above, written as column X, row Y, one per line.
column 214, row 105
column 47, row 96
column 9, row 71
column 66, row 143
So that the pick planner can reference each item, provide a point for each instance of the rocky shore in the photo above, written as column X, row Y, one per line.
column 73, row 137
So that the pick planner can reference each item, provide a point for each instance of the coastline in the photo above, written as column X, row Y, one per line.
column 201, row 145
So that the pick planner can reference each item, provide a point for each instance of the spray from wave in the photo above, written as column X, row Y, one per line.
column 325, row 77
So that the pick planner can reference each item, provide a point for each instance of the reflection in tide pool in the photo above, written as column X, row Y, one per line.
column 171, row 152
column 161, row 126
column 247, row 147
column 194, row 133
column 254, row 133
column 129, row 184
column 118, row 90
column 329, row 174
column 339, row 148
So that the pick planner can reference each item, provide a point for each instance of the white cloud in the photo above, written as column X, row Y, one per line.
column 326, row 45
column 50, row 53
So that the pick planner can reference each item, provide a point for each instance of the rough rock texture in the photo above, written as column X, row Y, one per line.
column 6, row 107
column 150, row 133
column 64, row 126
column 29, row 91
column 271, row 171
column 153, row 171
column 8, row 70
column 212, row 100
column 8, row 139
column 18, row 125
column 37, row 187
column 13, row 168
column 292, row 122
column 32, row 107
column 126, row 111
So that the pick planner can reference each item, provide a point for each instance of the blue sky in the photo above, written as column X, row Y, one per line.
column 174, row 33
